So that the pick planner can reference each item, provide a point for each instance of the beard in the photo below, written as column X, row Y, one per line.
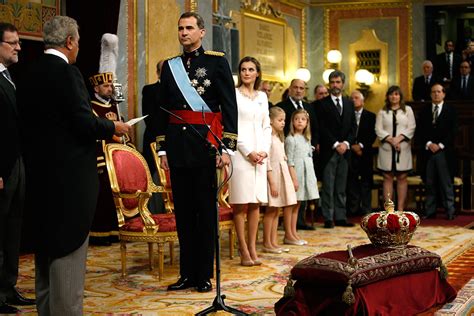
column 335, row 91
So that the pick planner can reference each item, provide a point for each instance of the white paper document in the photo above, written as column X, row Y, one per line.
column 135, row 120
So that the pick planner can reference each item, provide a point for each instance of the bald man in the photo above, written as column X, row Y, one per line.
column 422, row 84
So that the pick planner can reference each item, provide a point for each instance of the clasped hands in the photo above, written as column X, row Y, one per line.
column 434, row 148
column 257, row 158
column 341, row 148
column 395, row 141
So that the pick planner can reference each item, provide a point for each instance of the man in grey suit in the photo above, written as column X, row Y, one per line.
column 12, row 175
column 61, row 166
column 337, row 126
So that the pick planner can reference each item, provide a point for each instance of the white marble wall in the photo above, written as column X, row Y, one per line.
column 315, row 47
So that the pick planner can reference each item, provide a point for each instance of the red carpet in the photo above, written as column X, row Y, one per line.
column 461, row 270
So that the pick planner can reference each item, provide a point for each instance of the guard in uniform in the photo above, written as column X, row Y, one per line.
column 104, row 228
column 197, row 91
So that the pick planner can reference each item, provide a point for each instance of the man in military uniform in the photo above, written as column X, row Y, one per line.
column 104, row 228
column 197, row 91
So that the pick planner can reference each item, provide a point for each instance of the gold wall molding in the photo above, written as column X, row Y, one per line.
column 193, row 5
column 260, row 7
column 303, row 38
column 380, row 10
column 367, row 41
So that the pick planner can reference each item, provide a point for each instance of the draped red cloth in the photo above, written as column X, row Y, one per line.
column 402, row 295
column 214, row 120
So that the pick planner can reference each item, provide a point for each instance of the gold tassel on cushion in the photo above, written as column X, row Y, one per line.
column 289, row 290
column 443, row 271
column 348, row 296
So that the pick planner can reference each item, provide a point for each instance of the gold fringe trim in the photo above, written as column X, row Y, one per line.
column 289, row 290
column 214, row 53
column 348, row 296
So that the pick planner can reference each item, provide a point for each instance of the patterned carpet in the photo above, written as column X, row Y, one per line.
column 251, row 289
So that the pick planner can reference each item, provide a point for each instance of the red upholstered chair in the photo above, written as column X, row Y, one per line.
column 132, row 187
column 226, row 222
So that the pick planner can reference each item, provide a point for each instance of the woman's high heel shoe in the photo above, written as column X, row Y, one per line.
column 247, row 263
column 257, row 262
column 272, row 250
column 293, row 242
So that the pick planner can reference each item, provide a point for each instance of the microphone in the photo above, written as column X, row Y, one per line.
column 231, row 166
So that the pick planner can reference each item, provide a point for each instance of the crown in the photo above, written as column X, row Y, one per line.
column 390, row 228
column 98, row 79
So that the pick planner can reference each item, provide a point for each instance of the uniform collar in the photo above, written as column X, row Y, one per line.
column 195, row 53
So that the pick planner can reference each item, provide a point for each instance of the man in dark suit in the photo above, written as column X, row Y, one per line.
column 60, row 162
column 423, row 83
column 296, row 93
column 360, row 176
column 266, row 87
column 12, row 175
column 462, row 87
column 149, row 103
column 435, row 129
column 181, row 141
column 338, row 127
column 149, row 94
column 446, row 65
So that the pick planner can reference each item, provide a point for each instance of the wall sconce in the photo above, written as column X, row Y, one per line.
column 303, row 74
column 326, row 74
column 333, row 58
column 364, row 79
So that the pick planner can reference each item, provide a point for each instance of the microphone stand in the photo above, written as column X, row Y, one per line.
column 218, row 303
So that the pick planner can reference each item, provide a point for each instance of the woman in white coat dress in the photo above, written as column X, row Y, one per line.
column 395, row 127
column 248, row 185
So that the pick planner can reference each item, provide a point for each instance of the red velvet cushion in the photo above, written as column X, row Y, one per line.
column 374, row 264
column 166, row 223
column 225, row 214
column 131, row 175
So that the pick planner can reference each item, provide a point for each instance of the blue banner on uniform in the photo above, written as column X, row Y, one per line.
column 182, row 80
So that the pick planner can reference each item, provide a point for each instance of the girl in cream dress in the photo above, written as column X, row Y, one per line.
column 248, row 184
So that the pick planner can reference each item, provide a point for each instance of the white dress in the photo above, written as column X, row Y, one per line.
column 248, row 183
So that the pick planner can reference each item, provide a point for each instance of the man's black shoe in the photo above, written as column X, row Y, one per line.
column 305, row 227
column 15, row 298
column 344, row 223
column 328, row 224
column 7, row 309
column 431, row 216
column 182, row 284
column 204, row 286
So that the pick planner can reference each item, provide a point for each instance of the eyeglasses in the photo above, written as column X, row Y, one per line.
column 12, row 44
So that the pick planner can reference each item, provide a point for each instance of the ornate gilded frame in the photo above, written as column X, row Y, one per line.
column 404, row 66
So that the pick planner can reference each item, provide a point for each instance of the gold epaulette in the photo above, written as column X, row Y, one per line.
column 174, row 56
column 214, row 53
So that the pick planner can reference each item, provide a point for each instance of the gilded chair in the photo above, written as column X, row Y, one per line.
column 226, row 222
column 132, row 187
